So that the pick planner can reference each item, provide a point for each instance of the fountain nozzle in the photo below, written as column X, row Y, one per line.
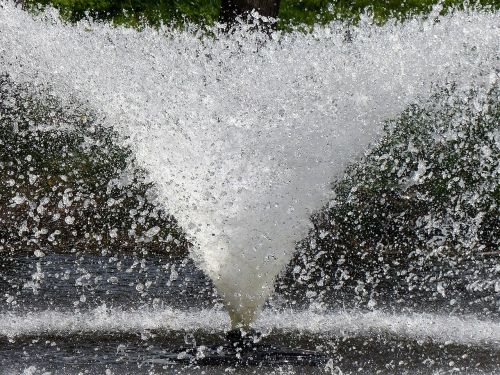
column 243, row 339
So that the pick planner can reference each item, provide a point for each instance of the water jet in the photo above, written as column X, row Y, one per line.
column 242, row 177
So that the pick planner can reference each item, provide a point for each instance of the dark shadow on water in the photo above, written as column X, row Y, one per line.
column 157, row 351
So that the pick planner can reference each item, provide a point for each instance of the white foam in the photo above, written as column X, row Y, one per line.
column 243, row 137
column 417, row 326
column 106, row 320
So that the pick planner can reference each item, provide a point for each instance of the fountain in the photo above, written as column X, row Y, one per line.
column 242, row 138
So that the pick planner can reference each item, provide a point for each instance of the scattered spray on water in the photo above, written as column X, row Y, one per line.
column 243, row 134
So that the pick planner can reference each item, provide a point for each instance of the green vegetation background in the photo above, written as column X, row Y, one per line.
column 205, row 12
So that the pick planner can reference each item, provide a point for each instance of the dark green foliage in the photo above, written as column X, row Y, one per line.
column 292, row 12
column 67, row 185
column 428, row 194
column 135, row 12
column 309, row 12
column 435, row 169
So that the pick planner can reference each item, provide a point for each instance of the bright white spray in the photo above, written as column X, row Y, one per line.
column 243, row 136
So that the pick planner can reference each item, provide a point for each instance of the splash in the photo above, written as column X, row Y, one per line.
column 463, row 330
column 243, row 135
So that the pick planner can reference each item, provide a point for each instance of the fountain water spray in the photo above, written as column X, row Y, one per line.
column 241, row 137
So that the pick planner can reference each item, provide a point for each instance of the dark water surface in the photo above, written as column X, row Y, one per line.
column 68, row 314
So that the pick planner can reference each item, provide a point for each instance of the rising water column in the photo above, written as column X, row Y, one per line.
column 243, row 308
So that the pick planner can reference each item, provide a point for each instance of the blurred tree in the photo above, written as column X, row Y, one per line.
column 68, row 185
column 424, row 201
column 292, row 13
column 231, row 10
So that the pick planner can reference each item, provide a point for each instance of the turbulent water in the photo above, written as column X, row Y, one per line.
column 424, row 327
column 91, row 314
column 243, row 134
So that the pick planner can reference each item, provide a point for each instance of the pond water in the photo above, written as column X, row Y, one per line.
column 69, row 314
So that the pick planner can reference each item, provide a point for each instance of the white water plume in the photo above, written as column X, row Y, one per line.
column 243, row 136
